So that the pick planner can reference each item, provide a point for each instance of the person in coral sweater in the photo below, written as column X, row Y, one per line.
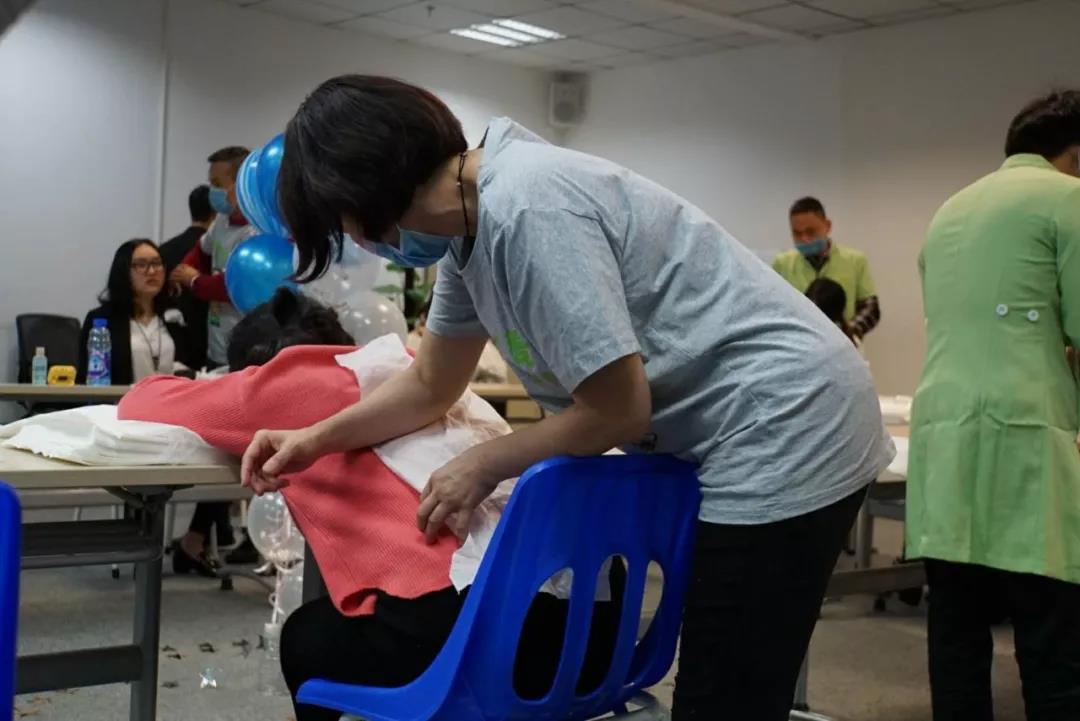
column 391, row 602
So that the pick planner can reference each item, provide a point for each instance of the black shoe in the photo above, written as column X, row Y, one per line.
column 244, row 554
column 205, row 565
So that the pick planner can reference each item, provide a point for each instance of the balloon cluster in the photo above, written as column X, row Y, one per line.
column 271, row 529
column 265, row 262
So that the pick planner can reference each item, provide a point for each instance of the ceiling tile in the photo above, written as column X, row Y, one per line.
column 433, row 16
column 745, row 40
column 731, row 7
column 385, row 28
column 978, row 4
column 446, row 41
column 911, row 16
column 575, row 50
column 630, row 10
column 526, row 58
column 840, row 26
column 305, row 10
column 626, row 60
column 691, row 28
column 796, row 18
column 636, row 37
column 503, row 8
column 696, row 47
column 366, row 7
column 572, row 22
column 870, row 8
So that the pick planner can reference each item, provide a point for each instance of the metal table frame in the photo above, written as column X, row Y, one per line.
column 136, row 539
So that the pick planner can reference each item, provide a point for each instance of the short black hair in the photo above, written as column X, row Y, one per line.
column 808, row 204
column 233, row 154
column 359, row 146
column 198, row 203
column 285, row 320
column 1047, row 126
column 829, row 296
column 118, row 295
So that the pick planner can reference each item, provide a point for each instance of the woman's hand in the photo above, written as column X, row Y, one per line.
column 456, row 488
column 272, row 453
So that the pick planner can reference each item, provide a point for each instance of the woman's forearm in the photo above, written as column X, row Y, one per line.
column 578, row 431
column 399, row 406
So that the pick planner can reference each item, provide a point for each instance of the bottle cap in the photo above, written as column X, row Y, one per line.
column 39, row 351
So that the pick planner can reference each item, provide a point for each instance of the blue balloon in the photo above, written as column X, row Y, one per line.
column 256, row 187
column 256, row 268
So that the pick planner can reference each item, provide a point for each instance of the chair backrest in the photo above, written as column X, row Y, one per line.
column 575, row 513
column 58, row 334
column 10, row 560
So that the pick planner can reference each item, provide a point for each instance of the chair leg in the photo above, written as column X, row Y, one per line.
column 650, row 709
column 115, row 514
column 170, row 524
column 801, row 710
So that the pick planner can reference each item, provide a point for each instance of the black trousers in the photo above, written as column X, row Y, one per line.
column 964, row 601
column 209, row 515
column 754, row 598
column 397, row 644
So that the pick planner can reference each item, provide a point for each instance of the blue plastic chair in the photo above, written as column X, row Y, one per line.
column 565, row 513
column 10, row 560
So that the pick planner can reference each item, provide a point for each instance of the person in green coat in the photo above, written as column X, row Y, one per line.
column 993, row 501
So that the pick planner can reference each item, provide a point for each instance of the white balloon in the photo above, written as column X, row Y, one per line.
column 272, row 530
column 289, row 593
column 356, row 272
column 368, row 315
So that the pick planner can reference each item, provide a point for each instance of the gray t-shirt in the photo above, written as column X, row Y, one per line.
column 578, row 262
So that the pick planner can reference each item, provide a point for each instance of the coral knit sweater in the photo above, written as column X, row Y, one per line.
column 357, row 516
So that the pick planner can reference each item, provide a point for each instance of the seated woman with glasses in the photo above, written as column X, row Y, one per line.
column 148, row 338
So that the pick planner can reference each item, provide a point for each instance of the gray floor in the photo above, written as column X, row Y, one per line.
column 865, row 666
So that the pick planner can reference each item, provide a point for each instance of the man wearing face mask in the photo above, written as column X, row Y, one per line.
column 816, row 256
column 203, row 269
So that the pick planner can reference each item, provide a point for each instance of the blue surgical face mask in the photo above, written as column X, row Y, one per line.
column 219, row 201
column 815, row 247
column 415, row 249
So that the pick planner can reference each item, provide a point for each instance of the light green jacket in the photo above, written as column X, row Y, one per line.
column 846, row 266
column 994, row 470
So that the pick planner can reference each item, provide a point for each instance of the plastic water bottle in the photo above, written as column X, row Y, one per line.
column 271, row 682
column 39, row 367
column 99, row 354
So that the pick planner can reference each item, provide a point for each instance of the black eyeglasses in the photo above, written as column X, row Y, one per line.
column 145, row 266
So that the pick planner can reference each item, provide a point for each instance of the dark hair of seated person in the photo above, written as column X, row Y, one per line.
column 287, row 319
column 829, row 296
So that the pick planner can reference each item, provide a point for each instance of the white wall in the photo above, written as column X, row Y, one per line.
column 882, row 125
column 80, row 99
column 83, row 93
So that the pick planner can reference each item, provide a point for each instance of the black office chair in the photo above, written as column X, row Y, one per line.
column 58, row 334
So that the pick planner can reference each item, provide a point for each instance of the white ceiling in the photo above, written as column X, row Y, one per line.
column 604, row 34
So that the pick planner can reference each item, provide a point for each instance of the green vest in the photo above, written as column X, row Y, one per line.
column 845, row 266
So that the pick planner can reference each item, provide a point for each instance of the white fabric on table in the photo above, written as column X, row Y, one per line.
column 93, row 436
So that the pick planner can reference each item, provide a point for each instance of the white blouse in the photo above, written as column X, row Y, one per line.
column 151, row 342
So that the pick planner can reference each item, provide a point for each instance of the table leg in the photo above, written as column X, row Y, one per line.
column 148, row 613
column 864, row 537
